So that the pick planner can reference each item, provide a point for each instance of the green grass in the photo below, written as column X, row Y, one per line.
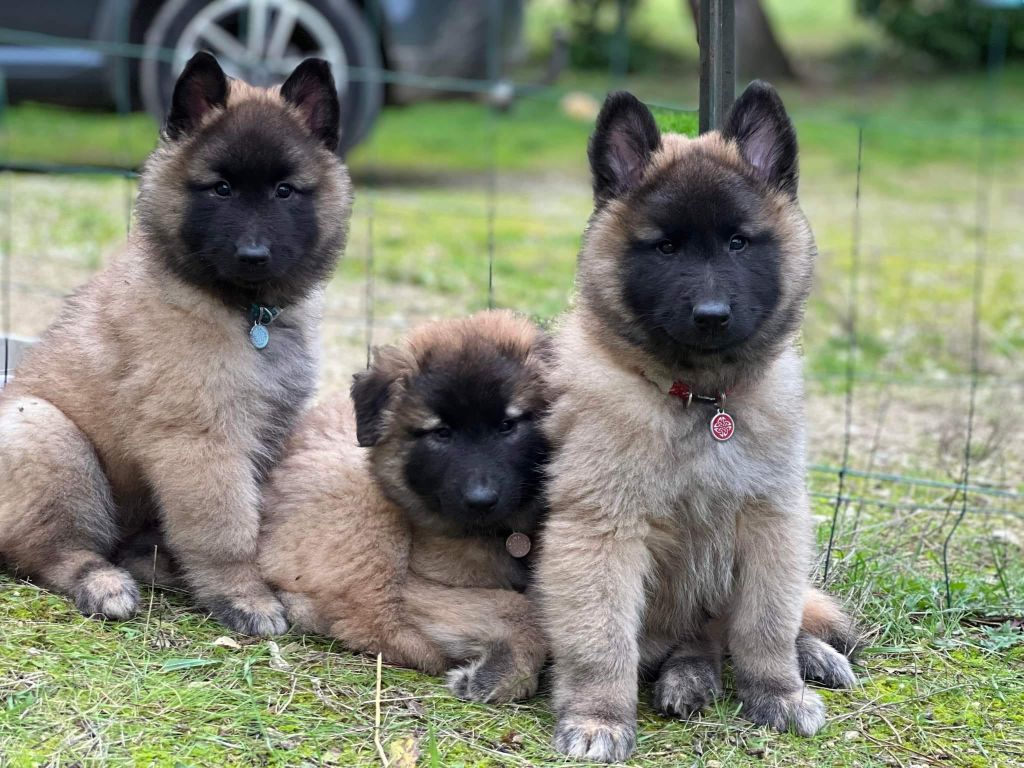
column 937, row 685
column 940, row 684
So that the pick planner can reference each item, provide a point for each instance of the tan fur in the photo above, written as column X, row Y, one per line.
column 821, row 614
column 145, row 399
column 663, row 546
column 826, row 620
column 351, row 564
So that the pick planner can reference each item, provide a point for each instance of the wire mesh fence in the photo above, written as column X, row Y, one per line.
column 913, row 336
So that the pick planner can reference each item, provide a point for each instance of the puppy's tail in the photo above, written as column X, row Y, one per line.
column 826, row 620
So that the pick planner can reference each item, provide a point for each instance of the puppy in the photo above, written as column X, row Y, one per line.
column 163, row 393
column 400, row 521
column 679, row 520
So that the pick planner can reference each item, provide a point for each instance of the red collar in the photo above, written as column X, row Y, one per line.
column 683, row 391
column 722, row 425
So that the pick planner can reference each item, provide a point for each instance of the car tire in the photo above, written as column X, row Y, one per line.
column 171, row 37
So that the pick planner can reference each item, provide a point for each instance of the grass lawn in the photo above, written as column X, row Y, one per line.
column 458, row 206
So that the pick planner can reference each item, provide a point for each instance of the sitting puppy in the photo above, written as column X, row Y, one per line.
column 163, row 393
column 679, row 524
column 415, row 542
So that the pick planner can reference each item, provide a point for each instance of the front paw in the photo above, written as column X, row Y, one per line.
column 259, row 615
column 493, row 678
column 686, row 686
column 595, row 738
column 107, row 592
column 800, row 711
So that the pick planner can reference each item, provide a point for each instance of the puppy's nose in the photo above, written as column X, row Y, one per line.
column 253, row 255
column 711, row 315
column 480, row 498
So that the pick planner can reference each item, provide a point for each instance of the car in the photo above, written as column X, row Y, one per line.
column 127, row 53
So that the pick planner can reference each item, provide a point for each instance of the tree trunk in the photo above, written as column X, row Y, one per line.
column 758, row 51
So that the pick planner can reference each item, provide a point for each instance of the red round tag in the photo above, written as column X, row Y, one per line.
column 722, row 426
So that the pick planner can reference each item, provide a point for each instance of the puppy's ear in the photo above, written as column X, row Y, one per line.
column 542, row 350
column 201, row 87
column 759, row 125
column 310, row 88
column 621, row 146
column 539, row 360
column 374, row 389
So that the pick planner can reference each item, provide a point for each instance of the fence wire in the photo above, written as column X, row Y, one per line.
column 851, row 355
column 908, row 476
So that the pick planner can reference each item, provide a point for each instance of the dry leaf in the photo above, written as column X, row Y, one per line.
column 415, row 708
column 227, row 642
column 276, row 659
column 403, row 753
column 331, row 757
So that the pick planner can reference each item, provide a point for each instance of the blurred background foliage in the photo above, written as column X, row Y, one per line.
column 941, row 34
column 954, row 33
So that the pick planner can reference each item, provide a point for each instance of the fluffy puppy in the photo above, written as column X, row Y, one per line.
column 399, row 522
column 161, row 396
column 679, row 521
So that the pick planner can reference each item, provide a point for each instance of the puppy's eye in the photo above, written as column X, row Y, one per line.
column 284, row 190
column 737, row 243
column 222, row 189
column 442, row 434
column 667, row 247
column 507, row 426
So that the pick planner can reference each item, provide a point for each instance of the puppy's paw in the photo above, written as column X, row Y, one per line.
column 686, row 686
column 800, row 711
column 257, row 615
column 595, row 738
column 108, row 592
column 493, row 678
column 821, row 663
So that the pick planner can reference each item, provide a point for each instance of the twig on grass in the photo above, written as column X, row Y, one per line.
column 279, row 709
column 872, row 707
column 376, row 715
column 149, row 610
column 890, row 746
column 888, row 722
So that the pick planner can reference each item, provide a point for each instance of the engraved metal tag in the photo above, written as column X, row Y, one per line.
column 722, row 426
column 259, row 336
column 518, row 544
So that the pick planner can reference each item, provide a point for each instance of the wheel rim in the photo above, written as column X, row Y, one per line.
column 262, row 41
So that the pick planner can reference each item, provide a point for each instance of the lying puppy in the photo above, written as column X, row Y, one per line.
column 415, row 543
column 162, row 395
column 679, row 521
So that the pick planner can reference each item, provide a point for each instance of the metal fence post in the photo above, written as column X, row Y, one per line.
column 716, row 35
